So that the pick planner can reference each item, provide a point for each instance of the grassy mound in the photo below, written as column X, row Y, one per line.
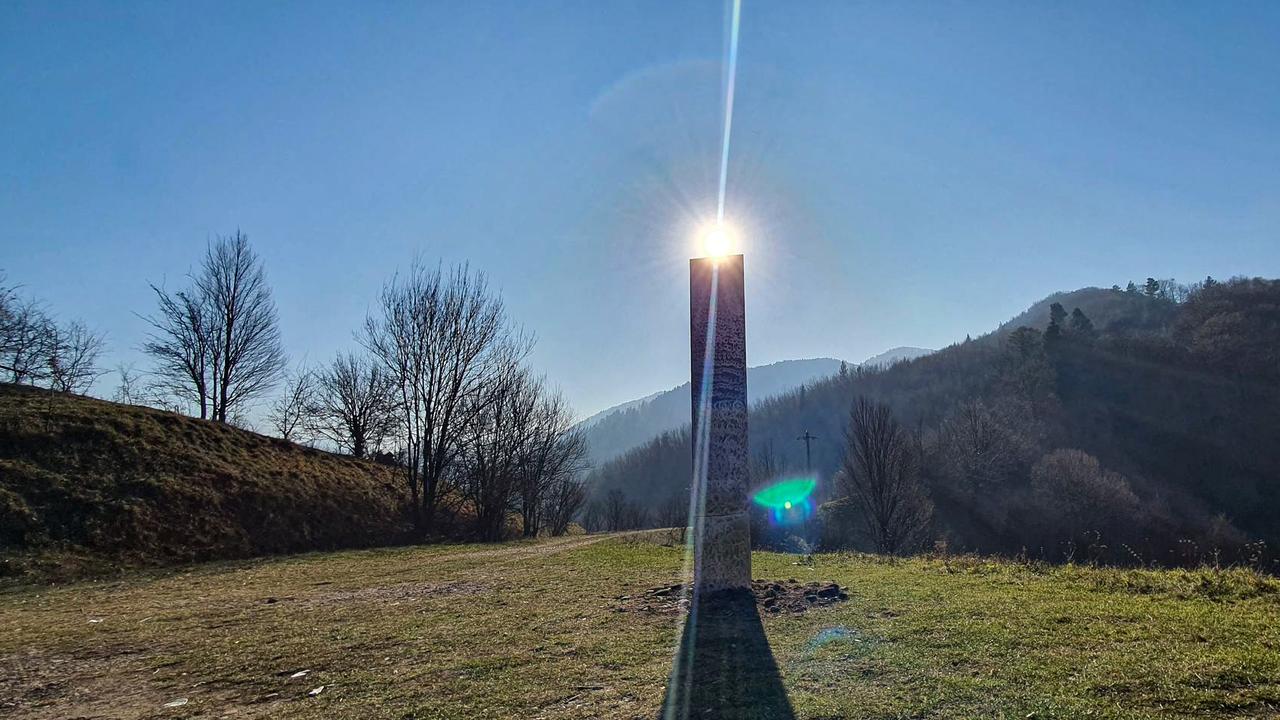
column 88, row 485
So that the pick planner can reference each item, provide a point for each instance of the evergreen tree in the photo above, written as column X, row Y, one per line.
column 1052, row 333
column 1151, row 288
column 1057, row 315
column 1131, row 288
column 1081, row 324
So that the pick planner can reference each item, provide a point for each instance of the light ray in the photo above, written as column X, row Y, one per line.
column 728, row 107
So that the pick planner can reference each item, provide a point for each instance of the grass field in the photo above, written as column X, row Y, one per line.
column 539, row 630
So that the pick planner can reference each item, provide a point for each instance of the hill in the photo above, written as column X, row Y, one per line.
column 87, row 484
column 1110, row 311
column 553, row 629
column 893, row 356
column 1145, row 437
column 613, row 431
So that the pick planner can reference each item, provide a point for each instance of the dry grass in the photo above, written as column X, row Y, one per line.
column 87, row 486
column 539, row 630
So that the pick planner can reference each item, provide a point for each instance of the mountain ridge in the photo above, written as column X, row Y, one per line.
column 613, row 431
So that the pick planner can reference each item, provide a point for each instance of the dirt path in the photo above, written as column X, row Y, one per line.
column 555, row 546
column 544, row 548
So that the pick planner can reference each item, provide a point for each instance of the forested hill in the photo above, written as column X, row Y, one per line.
column 1170, row 395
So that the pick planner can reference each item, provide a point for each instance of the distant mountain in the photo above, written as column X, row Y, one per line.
column 895, row 355
column 616, row 430
column 620, row 428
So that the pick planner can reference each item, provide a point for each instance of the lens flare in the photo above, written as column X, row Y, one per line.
column 785, row 494
column 789, row 502
column 719, row 239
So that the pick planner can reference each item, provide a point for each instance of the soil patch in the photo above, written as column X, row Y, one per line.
column 774, row 597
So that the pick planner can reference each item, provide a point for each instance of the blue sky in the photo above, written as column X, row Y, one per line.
column 903, row 173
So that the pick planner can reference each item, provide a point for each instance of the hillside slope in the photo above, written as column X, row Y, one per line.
column 1174, row 407
column 86, row 484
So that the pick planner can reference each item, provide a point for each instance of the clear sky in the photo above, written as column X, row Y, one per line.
column 904, row 173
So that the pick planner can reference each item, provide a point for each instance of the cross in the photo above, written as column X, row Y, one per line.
column 808, row 463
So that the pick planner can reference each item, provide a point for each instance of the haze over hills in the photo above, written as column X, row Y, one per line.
column 902, row 353
column 620, row 428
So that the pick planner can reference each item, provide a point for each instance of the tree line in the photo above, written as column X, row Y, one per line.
column 37, row 349
column 436, row 383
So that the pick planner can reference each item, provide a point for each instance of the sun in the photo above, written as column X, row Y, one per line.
column 718, row 239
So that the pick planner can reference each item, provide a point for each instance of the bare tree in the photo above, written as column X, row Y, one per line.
column 73, row 357
column 158, row 394
column 289, row 412
column 674, row 511
column 613, row 512
column 548, row 419
column 438, row 336
column 179, row 345
column 564, row 498
column 635, row 517
column 764, row 467
column 11, row 325
column 247, row 358
column 217, row 343
column 593, row 516
column 497, row 429
column 880, row 474
column 241, row 419
column 552, row 451
column 354, row 404
column 130, row 390
column 616, row 510
column 8, row 302
column 27, row 338
column 979, row 449
column 1074, row 495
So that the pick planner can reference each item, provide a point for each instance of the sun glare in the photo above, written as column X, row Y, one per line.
column 719, row 239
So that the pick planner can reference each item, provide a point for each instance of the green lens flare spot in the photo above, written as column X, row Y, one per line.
column 785, row 494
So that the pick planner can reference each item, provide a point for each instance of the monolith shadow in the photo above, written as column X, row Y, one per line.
column 724, row 667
